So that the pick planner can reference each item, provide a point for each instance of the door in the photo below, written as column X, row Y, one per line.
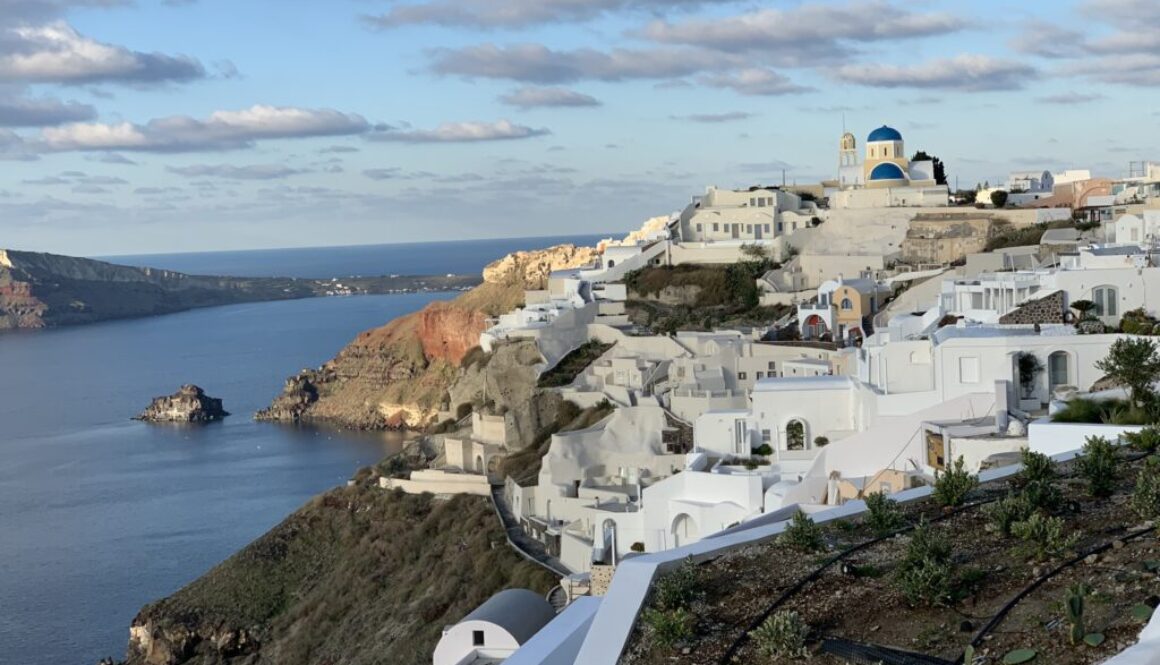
column 736, row 228
column 757, row 231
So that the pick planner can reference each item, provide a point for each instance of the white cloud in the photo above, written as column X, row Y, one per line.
column 755, row 81
column 231, row 172
column 460, row 132
column 806, row 33
column 223, row 130
column 56, row 53
column 42, row 112
column 536, row 63
column 967, row 72
column 710, row 118
column 535, row 97
column 516, row 13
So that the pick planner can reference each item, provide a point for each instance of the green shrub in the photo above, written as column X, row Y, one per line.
column 952, row 486
column 765, row 450
column 1007, row 511
column 637, row 547
column 668, row 627
column 782, row 635
column 1098, row 466
column 1146, row 496
column 821, row 441
column 676, row 589
column 1146, row 440
column 1086, row 411
column 802, row 534
column 926, row 575
column 1037, row 481
column 1043, row 537
column 883, row 513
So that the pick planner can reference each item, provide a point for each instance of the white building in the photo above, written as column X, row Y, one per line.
column 886, row 178
column 752, row 215
column 495, row 630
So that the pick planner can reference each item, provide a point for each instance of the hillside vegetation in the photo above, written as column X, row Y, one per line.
column 359, row 576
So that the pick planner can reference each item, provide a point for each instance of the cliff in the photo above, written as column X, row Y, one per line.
column 359, row 575
column 399, row 375
column 45, row 290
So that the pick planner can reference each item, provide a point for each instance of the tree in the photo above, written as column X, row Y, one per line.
column 1029, row 370
column 1083, row 307
column 1134, row 363
column 999, row 198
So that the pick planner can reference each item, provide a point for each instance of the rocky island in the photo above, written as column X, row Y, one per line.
column 189, row 404
column 47, row 290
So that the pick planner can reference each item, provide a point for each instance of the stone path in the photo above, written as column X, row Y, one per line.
column 528, row 547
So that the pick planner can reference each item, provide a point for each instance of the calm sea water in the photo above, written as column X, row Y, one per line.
column 425, row 258
column 99, row 514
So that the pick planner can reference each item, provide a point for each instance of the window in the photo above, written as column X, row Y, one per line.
column 795, row 435
column 477, row 638
column 715, row 226
column 780, row 226
column 766, row 436
column 772, row 365
column 698, row 228
column 760, row 375
column 767, row 228
column 741, row 376
column 1057, row 369
column 969, row 370
column 1106, row 299
column 847, row 303
column 749, row 228
column 752, row 203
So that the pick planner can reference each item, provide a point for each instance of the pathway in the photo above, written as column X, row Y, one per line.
column 528, row 547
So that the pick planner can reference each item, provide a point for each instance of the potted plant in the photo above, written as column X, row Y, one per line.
column 1029, row 367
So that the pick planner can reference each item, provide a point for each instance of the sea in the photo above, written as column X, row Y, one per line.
column 100, row 514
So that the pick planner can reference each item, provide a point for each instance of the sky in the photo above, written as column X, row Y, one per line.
column 188, row 125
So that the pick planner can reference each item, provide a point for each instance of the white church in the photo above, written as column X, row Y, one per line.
column 885, row 178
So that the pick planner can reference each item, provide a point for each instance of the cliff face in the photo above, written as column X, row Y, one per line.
column 190, row 404
column 399, row 375
column 359, row 575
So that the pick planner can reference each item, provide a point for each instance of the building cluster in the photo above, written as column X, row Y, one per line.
column 906, row 346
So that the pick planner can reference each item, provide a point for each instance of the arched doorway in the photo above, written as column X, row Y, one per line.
column 814, row 327
column 795, row 435
column 685, row 530
column 479, row 463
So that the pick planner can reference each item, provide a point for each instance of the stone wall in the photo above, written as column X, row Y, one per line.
column 946, row 239
column 1049, row 309
column 601, row 577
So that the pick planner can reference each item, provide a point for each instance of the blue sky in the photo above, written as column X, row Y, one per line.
column 187, row 125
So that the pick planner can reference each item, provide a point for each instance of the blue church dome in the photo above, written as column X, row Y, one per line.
column 887, row 171
column 884, row 133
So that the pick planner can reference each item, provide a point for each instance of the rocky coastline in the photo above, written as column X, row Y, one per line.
column 189, row 404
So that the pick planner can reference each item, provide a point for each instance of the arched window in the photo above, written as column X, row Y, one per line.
column 611, row 264
column 1107, row 300
column 795, row 435
column 847, row 303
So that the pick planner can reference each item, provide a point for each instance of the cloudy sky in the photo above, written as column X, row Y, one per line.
column 183, row 125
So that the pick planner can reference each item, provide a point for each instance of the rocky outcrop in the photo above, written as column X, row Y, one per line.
column 398, row 376
column 190, row 404
column 507, row 383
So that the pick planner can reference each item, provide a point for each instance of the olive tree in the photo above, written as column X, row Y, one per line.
column 1135, row 364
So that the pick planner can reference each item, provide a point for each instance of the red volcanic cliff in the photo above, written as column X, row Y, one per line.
column 398, row 375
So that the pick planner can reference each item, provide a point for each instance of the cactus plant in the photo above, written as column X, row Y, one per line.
column 1074, row 605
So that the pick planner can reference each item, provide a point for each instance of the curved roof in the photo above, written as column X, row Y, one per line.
column 887, row 171
column 520, row 612
column 885, row 133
